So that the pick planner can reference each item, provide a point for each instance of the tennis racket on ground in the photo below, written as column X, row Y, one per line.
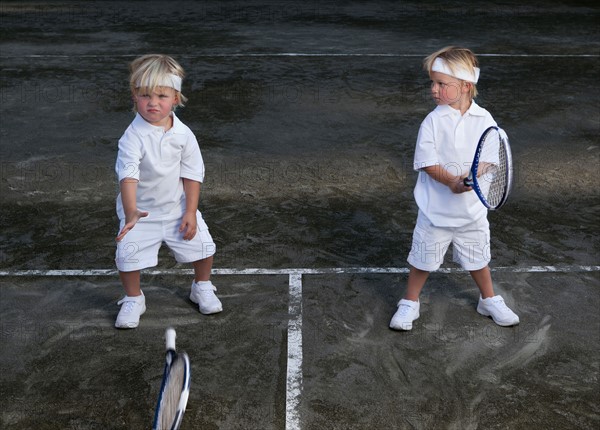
column 174, row 389
column 491, row 173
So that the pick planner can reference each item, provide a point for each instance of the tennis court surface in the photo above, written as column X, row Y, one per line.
column 307, row 116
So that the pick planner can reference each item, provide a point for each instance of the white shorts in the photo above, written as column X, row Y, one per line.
column 471, row 244
column 139, row 248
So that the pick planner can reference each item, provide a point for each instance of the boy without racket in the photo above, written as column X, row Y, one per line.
column 160, row 170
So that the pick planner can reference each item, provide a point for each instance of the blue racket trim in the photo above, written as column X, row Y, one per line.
column 502, row 190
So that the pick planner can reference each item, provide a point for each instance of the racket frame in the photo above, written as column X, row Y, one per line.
column 170, row 357
column 472, row 181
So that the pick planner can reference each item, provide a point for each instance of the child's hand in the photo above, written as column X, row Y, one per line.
column 455, row 183
column 189, row 225
column 459, row 186
column 130, row 222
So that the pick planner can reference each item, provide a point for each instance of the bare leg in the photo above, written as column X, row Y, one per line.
column 483, row 279
column 202, row 269
column 416, row 281
column 131, row 283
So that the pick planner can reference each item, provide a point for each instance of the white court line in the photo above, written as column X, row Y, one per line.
column 294, row 376
column 294, row 354
column 291, row 271
column 298, row 54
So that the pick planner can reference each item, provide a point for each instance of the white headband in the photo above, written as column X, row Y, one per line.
column 440, row 65
column 171, row 80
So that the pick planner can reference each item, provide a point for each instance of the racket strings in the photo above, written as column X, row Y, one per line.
column 171, row 395
column 498, row 185
column 493, row 165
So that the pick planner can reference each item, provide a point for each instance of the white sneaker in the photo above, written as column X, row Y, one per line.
column 496, row 308
column 203, row 294
column 131, row 310
column 407, row 312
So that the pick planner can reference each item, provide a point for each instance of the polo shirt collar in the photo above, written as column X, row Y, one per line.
column 444, row 110
column 178, row 126
column 144, row 128
column 474, row 110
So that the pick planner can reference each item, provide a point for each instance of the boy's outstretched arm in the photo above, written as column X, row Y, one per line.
column 454, row 182
column 189, row 224
column 132, row 214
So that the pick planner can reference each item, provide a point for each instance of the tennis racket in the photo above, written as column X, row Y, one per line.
column 174, row 389
column 491, row 173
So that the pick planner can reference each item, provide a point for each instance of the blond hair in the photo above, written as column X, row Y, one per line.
column 456, row 58
column 153, row 68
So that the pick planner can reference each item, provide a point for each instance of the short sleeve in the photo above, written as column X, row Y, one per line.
column 192, row 164
column 128, row 158
column 425, row 151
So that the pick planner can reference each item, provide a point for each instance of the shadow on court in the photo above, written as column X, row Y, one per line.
column 307, row 116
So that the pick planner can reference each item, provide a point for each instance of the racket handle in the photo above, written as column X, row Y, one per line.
column 170, row 339
column 468, row 182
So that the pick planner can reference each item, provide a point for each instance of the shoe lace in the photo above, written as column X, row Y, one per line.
column 404, row 310
column 206, row 291
column 127, row 305
column 499, row 304
column 500, row 310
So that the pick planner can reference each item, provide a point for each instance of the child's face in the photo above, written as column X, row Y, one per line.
column 447, row 90
column 156, row 106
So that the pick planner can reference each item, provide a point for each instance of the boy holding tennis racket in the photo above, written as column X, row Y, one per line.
column 449, row 210
column 160, row 170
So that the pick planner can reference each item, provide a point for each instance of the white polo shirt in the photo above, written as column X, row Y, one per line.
column 158, row 160
column 449, row 139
